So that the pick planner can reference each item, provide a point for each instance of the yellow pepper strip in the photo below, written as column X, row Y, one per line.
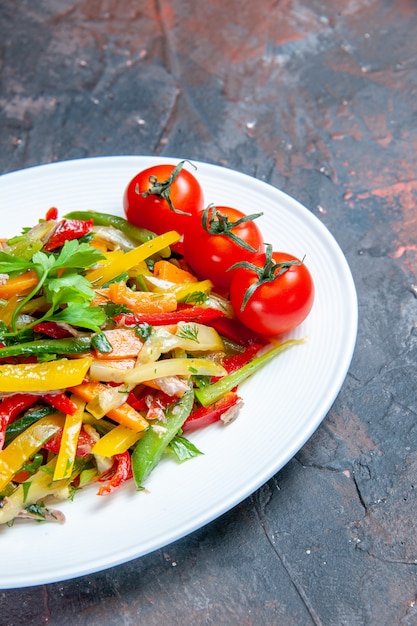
column 173, row 367
column 124, row 263
column 182, row 291
column 43, row 376
column 38, row 487
column 68, row 447
column 118, row 440
column 25, row 445
column 19, row 285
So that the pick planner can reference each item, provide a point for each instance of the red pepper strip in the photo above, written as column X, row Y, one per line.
column 52, row 329
column 10, row 409
column 67, row 230
column 85, row 443
column 234, row 330
column 150, row 400
column 190, row 314
column 236, row 361
column 137, row 402
column 159, row 401
column 122, row 472
column 204, row 416
column 60, row 402
column 51, row 214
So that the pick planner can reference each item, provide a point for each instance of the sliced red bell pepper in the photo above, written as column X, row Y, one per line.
column 51, row 214
column 159, row 401
column 200, row 314
column 150, row 401
column 67, row 230
column 234, row 330
column 10, row 409
column 121, row 472
column 235, row 361
column 137, row 402
column 85, row 443
column 61, row 402
column 52, row 329
column 204, row 416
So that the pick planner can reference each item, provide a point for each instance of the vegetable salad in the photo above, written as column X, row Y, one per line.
column 112, row 351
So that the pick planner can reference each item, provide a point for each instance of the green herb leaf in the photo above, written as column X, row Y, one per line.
column 143, row 331
column 183, row 449
column 112, row 310
column 77, row 256
column 10, row 264
column 81, row 314
column 26, row 486
column 68, row 288
column 101, row 343
column 188, row 331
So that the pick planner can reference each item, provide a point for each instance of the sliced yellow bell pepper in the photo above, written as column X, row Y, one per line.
column 68, row 447
column 203, row 286
column 38, row 487
column 184, row 290
column 122, row 263
column 116, row 441
column 173, row 367
column 25, row 445
column 43, row 376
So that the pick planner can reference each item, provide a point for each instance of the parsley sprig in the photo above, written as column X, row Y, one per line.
column 64, row 287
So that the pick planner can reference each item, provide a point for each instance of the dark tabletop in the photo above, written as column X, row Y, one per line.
column 319, row 99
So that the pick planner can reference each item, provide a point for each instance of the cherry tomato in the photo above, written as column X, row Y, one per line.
column 222, row 237
column 162, row 198
column 273, row 294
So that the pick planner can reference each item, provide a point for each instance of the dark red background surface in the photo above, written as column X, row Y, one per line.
column 318, row 98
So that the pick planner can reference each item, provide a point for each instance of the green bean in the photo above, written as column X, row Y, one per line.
column 151, row 447
column 212, row 393
column 70, row 345
column 141, row 235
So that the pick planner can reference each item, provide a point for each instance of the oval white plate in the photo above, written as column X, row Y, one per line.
column 284, row 404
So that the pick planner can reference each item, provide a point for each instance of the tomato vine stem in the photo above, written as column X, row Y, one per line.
column 163, row 188
column 267, row 273
column 215, row 223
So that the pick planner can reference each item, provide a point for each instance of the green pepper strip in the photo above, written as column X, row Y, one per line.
column 212, row 393
column 150, row 448
column 70, row 345
column 106, row 219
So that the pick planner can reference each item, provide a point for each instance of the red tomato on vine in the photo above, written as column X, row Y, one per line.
column 273, row 294
column 162, row 198
column 222, row 237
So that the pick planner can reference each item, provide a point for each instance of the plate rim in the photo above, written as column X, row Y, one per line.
column 303, row 436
